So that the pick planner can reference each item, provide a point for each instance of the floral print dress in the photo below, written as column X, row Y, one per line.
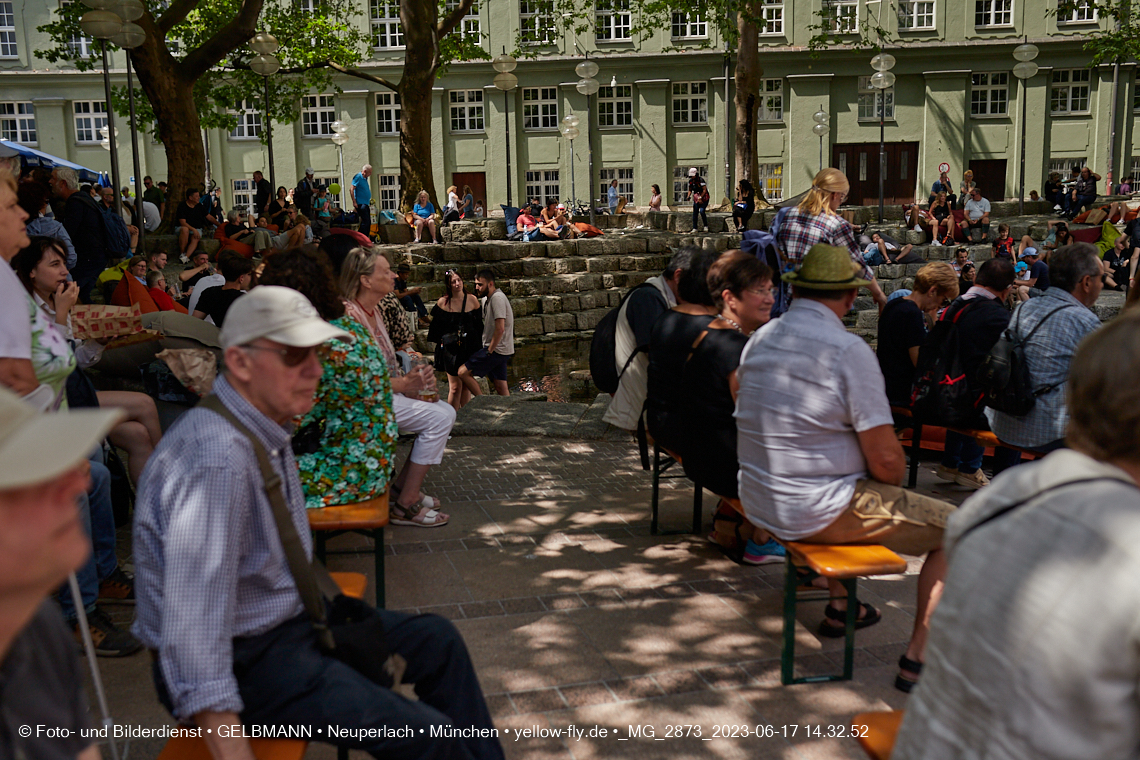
column 354, row 402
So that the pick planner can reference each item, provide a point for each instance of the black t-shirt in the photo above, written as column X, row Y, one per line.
column 901, row 328
column 642, row 309
column 1040, row 270
column 215, row 302
column 709, row 452
column 940, row 212
column 194, row 215
column 670, row 342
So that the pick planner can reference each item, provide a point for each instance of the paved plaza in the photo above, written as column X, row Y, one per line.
column 576, row 616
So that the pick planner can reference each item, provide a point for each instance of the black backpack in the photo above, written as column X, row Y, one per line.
column 1004, row 374
column 603, row 347
column 942, row 394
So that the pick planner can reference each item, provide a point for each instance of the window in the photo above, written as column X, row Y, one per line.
column 328, row 182
column 536, row 22
column 771, row 100
column 249, row 121
column 689, row 25
column 469, row 26
column 18, row 123
column 79, row 45
column 681, row 180
column 841, row 16
column 243, row 195
column 612, row 20
column 540, row 107
column 307, row 6
column 90, row 120
column 317, row 115
column 625, row 183
column 615, row 106
column 1070, row 91
column 863, row 166
column 389, row 192
column 1136, row 95
column 543, row 185
column 989, row 94
column 386, row 33
column 8, row 31
column 870, row 99
column 1076, row 12
column 1065, row 166
column 466, row 110
column 916, row 14
column 1134, row 176
column 993, row 13
column 690, row 103
column 772, row 11
column 771, row 182
column 387, row 113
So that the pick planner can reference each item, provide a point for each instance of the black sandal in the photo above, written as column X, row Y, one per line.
column 870, row 617
column 906, row 684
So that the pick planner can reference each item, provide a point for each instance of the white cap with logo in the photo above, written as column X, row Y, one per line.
column 278, row 314
column 308, row 170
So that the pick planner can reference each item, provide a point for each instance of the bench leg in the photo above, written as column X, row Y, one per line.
column 698, row 498
column 656, row 480
column 915, row 448
column 788, row 651
column 852, row 614
column 378, row 551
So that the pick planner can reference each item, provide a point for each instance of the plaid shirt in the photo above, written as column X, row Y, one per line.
column 1048, row 354
column 801, row 230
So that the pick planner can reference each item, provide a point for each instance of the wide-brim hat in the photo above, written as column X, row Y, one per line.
column 827, row 267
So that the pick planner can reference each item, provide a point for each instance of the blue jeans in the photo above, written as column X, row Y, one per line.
column 284, row 678
column 699, row 208
column 414, row 303
column 962, row 453
column 99, row 521
column 1073, row 207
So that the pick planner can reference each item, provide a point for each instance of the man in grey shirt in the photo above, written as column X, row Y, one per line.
column 498, row 338
column 1032, row 650
column 977, row 215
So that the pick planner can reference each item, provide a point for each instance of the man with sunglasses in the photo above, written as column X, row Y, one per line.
column 217, row 604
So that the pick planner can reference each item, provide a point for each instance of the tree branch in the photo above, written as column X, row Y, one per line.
column 343, row 70
column 202, row 58
column 449, row 22
column 175, row 14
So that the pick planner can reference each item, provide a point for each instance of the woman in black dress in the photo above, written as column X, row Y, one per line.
column 277, row 210
column 457, row 330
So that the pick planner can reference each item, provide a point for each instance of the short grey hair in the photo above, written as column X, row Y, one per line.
column 682, row 259
column 67, row 176
column 232, row 215
column 1070, row 264
column 366, row 167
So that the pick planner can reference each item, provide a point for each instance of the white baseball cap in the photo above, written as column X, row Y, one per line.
column 308, row 170
column 278, row 314
column 36, row 447
column 693, row 172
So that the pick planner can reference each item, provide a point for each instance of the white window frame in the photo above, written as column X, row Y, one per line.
column 615, row 107
column 540, row 108
column 624, row 176
column 1064, row 166
column 389, row 197
column 328, row 182
column 318, row 112
column 9, row 47
column 772, row 11
column 80, row 45
column 243, row 192
column 466, row 111
column 388, row 113
column 471, row 25
column 993, row 14
column 536, row 22
column 771, row 100
column 836, row 11
column 989, row 84
column 866, row 91
column 18, row 122
column 1070, row 82
column 307, row 6
column 1134, row 174
column 613, row 21
column 689, row 26
column 543, row 184
column 249, row 121
column 690, row 103
column 1082, row 12
column 916, row 15
column 681, row 181
column 770, row 180
column 384, row 21
column 89, row 124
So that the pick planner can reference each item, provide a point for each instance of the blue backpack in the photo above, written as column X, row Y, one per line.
column 762, row 244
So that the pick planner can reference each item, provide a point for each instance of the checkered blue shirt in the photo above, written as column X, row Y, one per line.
column 208, row 561
column 801, row 230
column 1048, row 353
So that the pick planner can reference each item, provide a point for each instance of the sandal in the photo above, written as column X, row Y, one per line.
column 419, row 517
column 869, row 617
column 902, row 683
column 425, row 502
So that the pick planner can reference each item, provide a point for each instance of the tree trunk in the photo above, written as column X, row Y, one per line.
column 748, row 74
column 421, row 61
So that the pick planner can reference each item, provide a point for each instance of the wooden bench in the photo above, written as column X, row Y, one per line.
column 662, row 461
column 985, row 438
column 367, row 517
column 878, row 737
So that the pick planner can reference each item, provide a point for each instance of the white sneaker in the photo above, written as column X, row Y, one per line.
column 946, row 473
column 184, row 259
column 937, row 243
column 974, row 480
column 706, row 229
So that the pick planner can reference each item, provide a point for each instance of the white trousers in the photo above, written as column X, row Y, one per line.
column 432, row 423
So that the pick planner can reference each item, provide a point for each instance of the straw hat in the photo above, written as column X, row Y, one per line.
column 827, row 267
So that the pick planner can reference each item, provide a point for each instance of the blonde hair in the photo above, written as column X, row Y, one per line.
column 938, row 276
column 452, row 189
column 818, row 199
column 360, row 262
column 302, row 219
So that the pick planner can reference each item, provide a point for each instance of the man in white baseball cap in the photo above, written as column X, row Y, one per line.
column 303, row 195
column 43, row 470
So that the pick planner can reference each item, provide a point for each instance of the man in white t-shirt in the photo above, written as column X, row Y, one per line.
column 819, row 459
column 977, row 215
column 16, row 370
column 492, row 359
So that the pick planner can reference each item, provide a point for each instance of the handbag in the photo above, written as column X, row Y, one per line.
column 347, row 628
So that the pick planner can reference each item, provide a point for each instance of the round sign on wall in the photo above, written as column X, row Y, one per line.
column 943, row 167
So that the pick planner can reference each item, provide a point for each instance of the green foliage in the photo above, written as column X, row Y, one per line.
column 1119, row 40
column 461, row 44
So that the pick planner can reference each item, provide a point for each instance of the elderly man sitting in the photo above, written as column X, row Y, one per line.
column 819, row 460
column 218, row 602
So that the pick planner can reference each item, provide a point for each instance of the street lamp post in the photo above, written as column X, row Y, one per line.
column 569, row 130
column 882, row 80
column 1024, row 69
column 266, row 64
column 587, row 85
column 103, row 25
column 339, row 137
column 819, row 129
column 130, row 36
column 506, row 81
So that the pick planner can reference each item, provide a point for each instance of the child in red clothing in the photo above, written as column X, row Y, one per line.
column 1003, row 245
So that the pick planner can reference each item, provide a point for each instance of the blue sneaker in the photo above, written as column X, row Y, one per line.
column 769, row 553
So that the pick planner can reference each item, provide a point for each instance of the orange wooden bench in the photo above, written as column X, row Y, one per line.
column 878, row 732
column 367, row 517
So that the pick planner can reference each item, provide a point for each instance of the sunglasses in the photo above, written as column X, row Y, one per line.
column 291, row 356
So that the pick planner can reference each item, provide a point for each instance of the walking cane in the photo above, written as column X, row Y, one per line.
column 89, row 648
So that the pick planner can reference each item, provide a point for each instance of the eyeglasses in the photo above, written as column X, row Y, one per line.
column 759, row 291
column 842, row 196
column 291, row 356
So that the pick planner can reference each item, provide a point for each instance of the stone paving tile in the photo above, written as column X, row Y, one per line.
column 726, row 677
column 680, row 681
column 585, row 694
column 563, row 602
column 500, row 705
column 635, row 688
column 449, row 611
column 473, row 610
column 522, row 605
column 537, row 701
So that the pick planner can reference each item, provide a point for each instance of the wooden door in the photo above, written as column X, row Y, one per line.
column 989, row 175
column 860, row 163
column 478, row 183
